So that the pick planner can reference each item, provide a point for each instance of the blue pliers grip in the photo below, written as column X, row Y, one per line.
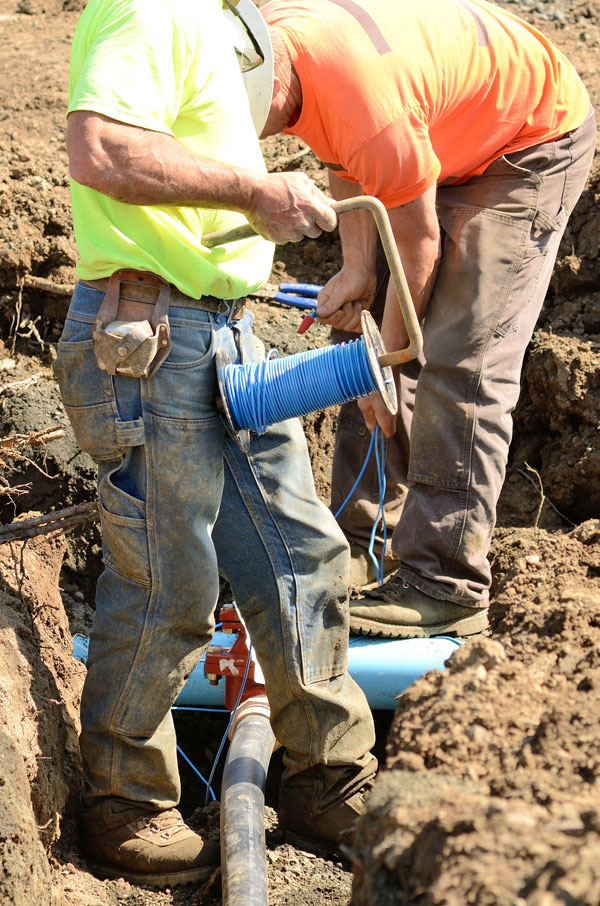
column 300, row 295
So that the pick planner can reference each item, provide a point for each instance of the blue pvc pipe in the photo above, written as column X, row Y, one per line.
column 383, row 668
column 197, row 691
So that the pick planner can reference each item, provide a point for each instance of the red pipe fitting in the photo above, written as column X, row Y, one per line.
column 230, row 663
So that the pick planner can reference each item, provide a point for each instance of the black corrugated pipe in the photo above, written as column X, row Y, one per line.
column 243, row 851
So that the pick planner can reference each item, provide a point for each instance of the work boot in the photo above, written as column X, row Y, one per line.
column 328, row 829
column 151, row 848
column 363, row 576
column 396, row 610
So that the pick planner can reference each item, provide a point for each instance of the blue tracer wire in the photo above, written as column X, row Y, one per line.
column 208, row 783
column 378, row 443
column 360, row 474
column 209, row 790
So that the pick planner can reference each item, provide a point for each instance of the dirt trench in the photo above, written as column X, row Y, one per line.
column 489, row 792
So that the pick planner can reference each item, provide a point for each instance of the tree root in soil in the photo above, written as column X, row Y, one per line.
column 58, row 520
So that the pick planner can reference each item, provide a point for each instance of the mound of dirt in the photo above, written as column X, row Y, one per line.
column 558, row 421
column 491, row 792
column 39, row 698
column 577, row 266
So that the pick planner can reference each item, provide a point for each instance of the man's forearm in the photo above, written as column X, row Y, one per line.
column 417, row 234
column 358, row 231
column 164, row 173
column 138, row 166
column 420, row 264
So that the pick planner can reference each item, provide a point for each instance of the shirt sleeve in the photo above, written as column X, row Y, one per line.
column 398, row 164
column 134, row 68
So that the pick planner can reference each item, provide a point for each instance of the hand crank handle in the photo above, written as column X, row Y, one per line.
column 222, row 237
column 390, row 249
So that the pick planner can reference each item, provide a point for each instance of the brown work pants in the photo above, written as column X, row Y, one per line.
column 446, row 463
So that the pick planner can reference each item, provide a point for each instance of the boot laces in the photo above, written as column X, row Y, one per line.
column 167, row 823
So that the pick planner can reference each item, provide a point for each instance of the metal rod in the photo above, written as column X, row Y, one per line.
column 382, row 221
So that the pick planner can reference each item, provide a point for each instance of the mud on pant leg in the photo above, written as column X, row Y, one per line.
column 159, row 443
column 502, row 232
column 154, row 617
column 289, row 581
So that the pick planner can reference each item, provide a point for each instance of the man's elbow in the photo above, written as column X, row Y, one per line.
column 86, row 162
column 83, row 171
column 87, row 165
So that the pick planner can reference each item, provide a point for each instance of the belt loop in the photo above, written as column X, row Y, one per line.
column 224, row 309
column 228, row 308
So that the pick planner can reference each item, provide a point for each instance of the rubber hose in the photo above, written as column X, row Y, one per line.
column 243, row 851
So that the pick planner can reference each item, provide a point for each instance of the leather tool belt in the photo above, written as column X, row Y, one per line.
column 131, row 331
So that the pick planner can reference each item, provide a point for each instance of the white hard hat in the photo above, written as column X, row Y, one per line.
column 255, row 56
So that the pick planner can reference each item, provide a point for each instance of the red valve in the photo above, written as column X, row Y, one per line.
column 230, row 663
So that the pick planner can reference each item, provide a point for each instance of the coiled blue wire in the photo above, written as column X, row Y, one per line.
column 263, row 393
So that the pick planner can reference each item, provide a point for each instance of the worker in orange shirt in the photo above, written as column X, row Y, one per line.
column 477, row 135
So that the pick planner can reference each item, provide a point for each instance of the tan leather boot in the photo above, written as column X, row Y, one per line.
column 151, row 848
column 362, row 569
column 328, row 829
column 396, row 610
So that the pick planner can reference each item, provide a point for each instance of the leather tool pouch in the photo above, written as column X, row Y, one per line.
column 131, row 332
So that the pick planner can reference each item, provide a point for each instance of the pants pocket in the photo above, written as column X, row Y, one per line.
column 124, row 535
column 89, row 401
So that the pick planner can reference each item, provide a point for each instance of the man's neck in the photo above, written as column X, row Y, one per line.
column 287, row 99
column 294, row 99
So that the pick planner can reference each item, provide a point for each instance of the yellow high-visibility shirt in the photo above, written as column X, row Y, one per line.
column 167, row 66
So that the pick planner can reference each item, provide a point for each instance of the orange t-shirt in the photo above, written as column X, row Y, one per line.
column 399, row 94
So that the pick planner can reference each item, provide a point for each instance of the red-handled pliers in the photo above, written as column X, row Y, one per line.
column 300, row 295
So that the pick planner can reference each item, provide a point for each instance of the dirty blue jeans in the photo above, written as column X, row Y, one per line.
column 446, row 463
column 180, row 502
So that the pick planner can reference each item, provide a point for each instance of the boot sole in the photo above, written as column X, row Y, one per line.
column 158, row 881
column 464, row 626
column 321, row 848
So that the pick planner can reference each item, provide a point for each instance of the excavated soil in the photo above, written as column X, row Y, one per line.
column 489, row 791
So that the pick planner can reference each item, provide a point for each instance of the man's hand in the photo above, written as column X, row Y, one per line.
column 286, row 207
column 375, row 413
column 342, row 299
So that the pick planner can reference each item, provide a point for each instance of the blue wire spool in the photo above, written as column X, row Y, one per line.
column 259, row 394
